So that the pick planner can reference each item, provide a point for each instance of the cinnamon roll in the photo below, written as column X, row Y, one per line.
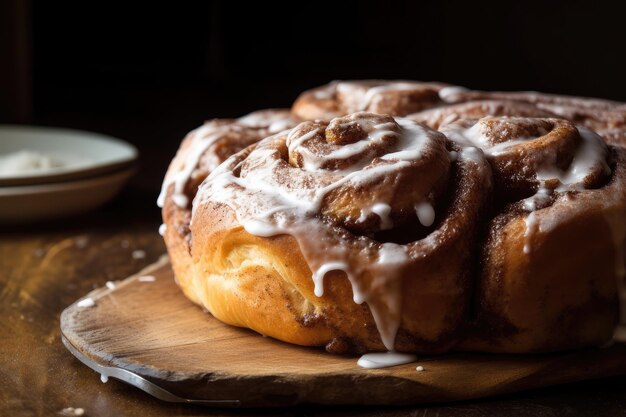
column 351, row 223
column 396, row 98
column 201, row 151
column 553, row 254
column 357, row 234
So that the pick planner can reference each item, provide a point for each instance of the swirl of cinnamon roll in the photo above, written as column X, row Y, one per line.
column 396, row 98
column 553, row 257
column 527, row 154
column 201, row 151
column 606, row 117
column 356, row 234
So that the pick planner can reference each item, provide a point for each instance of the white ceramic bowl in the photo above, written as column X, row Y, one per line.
column 83, row 154
column 29, row 203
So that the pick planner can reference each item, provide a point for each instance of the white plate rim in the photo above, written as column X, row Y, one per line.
column 6, row 192
column 69, row 173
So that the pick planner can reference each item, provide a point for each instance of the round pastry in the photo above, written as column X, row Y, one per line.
column 396, row 98
column 553, row 255
column 201, row 151
column 315, row 236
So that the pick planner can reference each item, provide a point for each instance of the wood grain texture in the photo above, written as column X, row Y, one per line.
column 151, row 329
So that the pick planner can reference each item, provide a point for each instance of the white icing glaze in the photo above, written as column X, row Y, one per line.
column 201, row 140
column 372, row 92
column 162, row 229
column 472, row 154
column 382, row 210
column 273, row 120
column 385, row 359
column 476, row 136
column 450, row 94
column 71, row 411
column 110, row 285
column 104, row 378
column 261, row 228
column 320, row 273
column 86, row 303
column 590, row 154
column 359, row 97
column 425, row 213
column 419, row 368
column 204, row 137
column 531, row 226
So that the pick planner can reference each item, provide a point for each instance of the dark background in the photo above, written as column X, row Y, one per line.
column 150, row 72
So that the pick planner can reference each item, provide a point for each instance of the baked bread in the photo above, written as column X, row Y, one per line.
column 367, row 232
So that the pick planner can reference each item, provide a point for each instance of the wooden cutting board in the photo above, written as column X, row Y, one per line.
column 147, row 333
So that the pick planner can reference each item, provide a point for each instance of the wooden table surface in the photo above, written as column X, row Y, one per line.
column 45, row 268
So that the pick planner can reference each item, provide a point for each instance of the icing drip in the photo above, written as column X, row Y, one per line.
column 373, row 92
column 266, row 207
column 318, row 278
column 360, row 97
column 162, row 229
column 259, row 124
column 383, row 210
column 273, row 120
column 385, row 359
column 589, row 155
column 499, row 137
column 531, row 227
column 86, row 303
column 450, row 94
column 425, row 213
column 202, row 139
